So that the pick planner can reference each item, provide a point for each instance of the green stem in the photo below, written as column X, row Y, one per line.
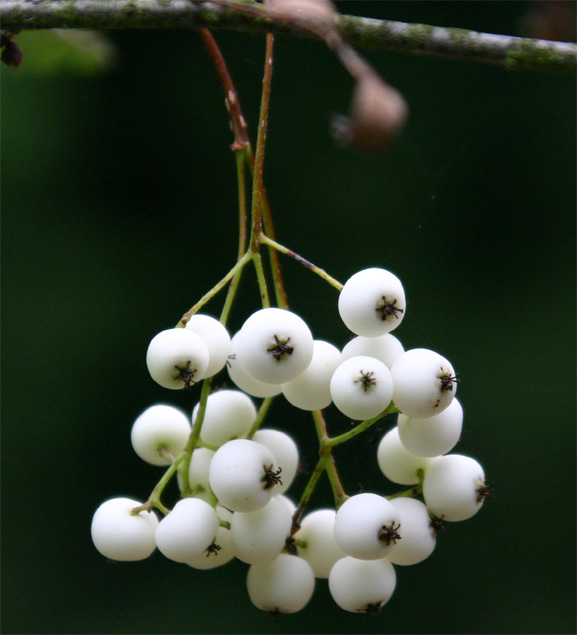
column 202, row 444
column 257, row 187
column 217, row 287
column 241, row 161
column 320, row 426
column 327, row 457
column 257, row 181
column 309, row 265
column 307, row 492
column 241, row 158
column 154, row 498
column 261, row 278
column 280, row 292
column 361, row 427
column 262, row 412
column 339, row 493
column 412, row 491
column 194, row 437
column 408, row 493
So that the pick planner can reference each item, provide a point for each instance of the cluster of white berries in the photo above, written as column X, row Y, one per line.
column 234, row 503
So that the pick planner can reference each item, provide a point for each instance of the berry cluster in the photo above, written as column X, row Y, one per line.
column 233, row 473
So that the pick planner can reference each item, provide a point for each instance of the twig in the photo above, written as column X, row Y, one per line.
column 363, row 33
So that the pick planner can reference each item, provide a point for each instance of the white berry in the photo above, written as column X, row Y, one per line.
column 316, row 541
column 432, row 436
column 397, row 463
column 244, row 380
column 361, row 387
column 120, row 535
column 385, row 348
column 425, row 383
column 372, row 302
column 216, row 338
column 260, row 536
column 222, row 552
column 177, row 358
column 452, row 485
column 229, row 414
column 362, row 586
column 187, row 531
column 419, row 538
column 285, row 452
column 311, row 389
column 160, row 427
column 284, row 585
column 243, row 475
column 367, row 526
column 274, row 345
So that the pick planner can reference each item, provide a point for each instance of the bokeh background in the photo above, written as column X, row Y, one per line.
column 119, row 212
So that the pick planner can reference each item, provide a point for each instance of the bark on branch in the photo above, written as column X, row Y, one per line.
column 363, row 33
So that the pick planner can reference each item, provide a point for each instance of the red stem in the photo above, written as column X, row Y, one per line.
column 238, row 122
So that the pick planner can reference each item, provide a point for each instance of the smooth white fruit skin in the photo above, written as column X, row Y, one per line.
column 216, row 338
column 159, row 427
column 236, row 475
column 223, row 540
column 358, row 522
column 119, row 535
column 187, row 531
column 229, row 415
column 360, row 298
column 198, row 474
column 385, row 348
column 246, row 381
column 259, row 537
column 285, row 452
column 173, row 349
column 451, row 485
column 419, row 538
column 284, row 585
column 360, row 585
column 397, row 463
column 348, row 391
column 418, row 389
column 433, row 436
column 311, row 389
column 288, row 503
column 321, row 551
column 258, row 336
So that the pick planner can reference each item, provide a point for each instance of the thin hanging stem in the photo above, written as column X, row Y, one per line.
column 194, row 437
column 307, row 492
column 181, row 463
column 281, row 296
column 309, row 265
column 258, row 188
column 262, row 412
column 257, row 181
column 361, row 427
column 326, row 452
column 238, row 122
column 217, row 287
column 268, row 226
column 241, row 159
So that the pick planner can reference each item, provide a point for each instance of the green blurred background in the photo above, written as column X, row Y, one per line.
column 119, row 212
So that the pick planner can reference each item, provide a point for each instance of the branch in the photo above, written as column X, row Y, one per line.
column 364, row 33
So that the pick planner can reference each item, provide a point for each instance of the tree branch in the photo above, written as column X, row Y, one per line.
column 364, row 33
